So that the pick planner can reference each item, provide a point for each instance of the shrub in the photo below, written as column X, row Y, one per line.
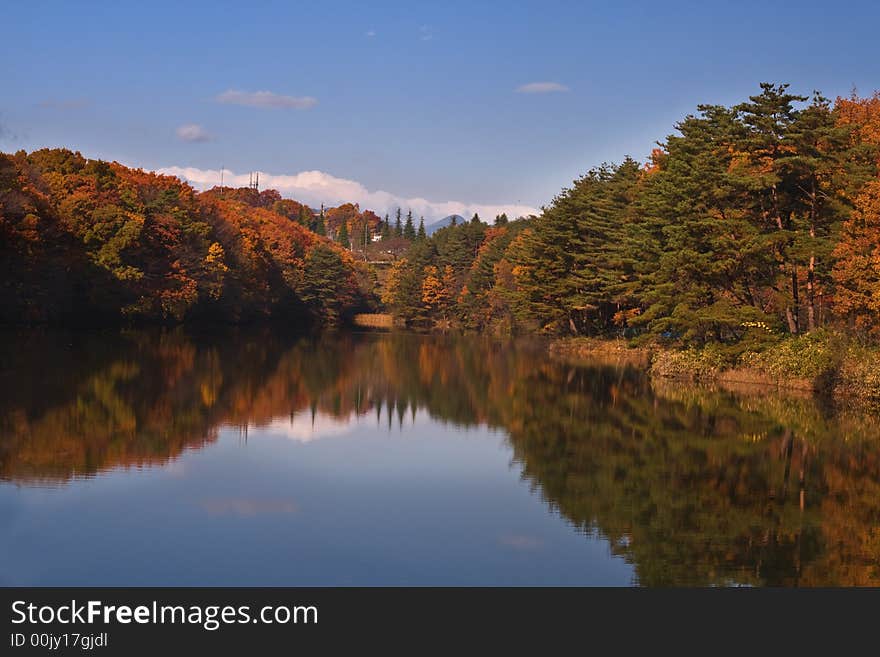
column 809, row 356
column 859, row 374
column 694, row 364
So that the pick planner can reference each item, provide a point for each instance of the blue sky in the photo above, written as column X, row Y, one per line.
column 404, row 102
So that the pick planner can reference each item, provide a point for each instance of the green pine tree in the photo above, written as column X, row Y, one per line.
column 318, row 225
column 324, row 284
column 409, row 230
column 342, row 235
column 573, row 258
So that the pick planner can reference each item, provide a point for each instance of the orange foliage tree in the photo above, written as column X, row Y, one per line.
column 94, row 241
column 857, row 254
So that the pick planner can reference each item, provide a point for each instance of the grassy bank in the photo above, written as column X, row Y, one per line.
column 374, row 320
column 821, row 363
column 597, row 350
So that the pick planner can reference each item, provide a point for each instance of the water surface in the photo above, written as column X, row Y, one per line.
column 254, row 458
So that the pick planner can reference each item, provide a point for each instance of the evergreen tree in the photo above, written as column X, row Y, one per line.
column 820, row 150
column 458, row 245
column 409, row 230
column 398, row 226
column 767, row 119
column 421, row 235
column 305, row 216
column 475, row 219
column 408, row 301
column 320, row 225
column 342, row 235
column 356, row 236
column 572, row 263
column 706, row 265
column 501, row 219
column 386, row 229
column 325, row 283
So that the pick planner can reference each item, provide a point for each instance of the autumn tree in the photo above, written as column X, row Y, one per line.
column 389, row 295
column 435, row 295
column 857, row 271
column 93, row 241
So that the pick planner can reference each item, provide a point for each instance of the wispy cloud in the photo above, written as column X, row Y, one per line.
column 64, row 103
column 193, row 132
column 265, row 99
column 371, row 33
column 425, row 33
column 316, row 187
column 541, row 88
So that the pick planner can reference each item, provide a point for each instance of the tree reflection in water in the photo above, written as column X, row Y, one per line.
column 691, row 486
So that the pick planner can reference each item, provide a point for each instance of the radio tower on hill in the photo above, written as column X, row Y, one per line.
column 254, row 183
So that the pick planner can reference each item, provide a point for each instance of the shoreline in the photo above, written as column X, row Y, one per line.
column 851, row 378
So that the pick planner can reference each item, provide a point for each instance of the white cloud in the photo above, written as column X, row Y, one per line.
column 316, row 187
column 304, row 428
column 193, row 132
column 425, row 33
column 265, row 99
column 371, row 33
column 540, row 88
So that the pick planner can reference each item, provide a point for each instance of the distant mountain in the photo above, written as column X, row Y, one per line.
column 443, row 223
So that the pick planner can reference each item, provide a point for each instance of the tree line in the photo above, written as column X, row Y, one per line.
column 747, row 223
column 88, row 241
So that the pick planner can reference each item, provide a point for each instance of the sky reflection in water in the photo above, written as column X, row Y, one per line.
column 251, row 459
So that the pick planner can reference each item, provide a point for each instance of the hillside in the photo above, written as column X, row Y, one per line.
column 88, row 241
column 450, row 220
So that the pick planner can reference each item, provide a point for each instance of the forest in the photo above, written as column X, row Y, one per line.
column 91, row 242
column 747, row 225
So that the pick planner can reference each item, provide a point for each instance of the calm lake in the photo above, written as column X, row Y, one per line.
column 254, row 458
